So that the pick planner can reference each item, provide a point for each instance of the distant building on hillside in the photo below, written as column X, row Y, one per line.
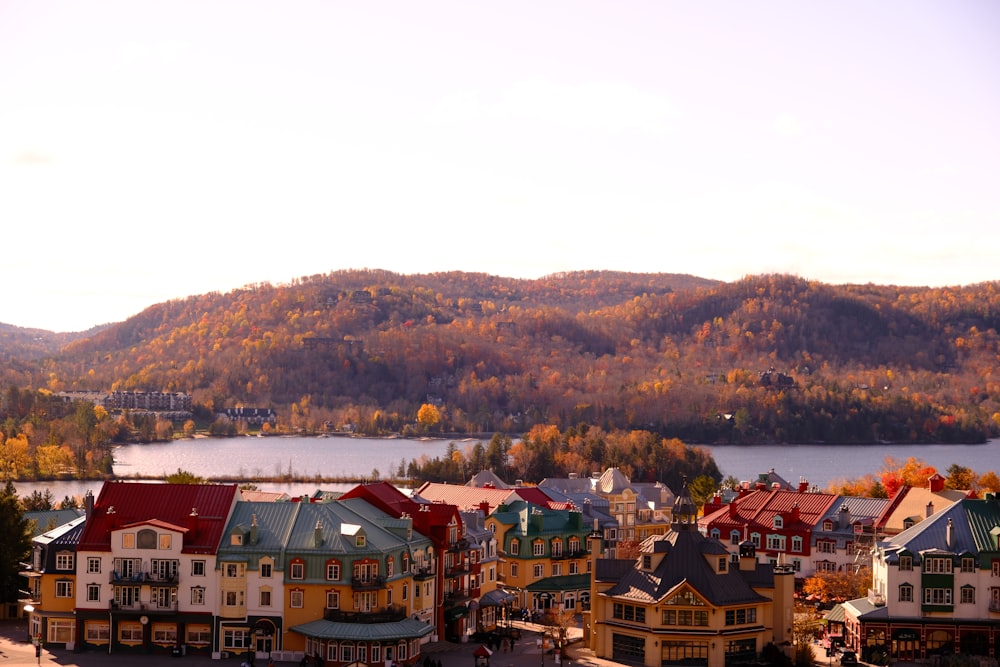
column 251, row 416
column 150, row 401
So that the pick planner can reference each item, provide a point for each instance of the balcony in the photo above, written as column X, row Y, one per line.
column 372, row 583
column 145, row 578
column 457, row 569
column 384, row 615
column 144, row 607
column 460, row 545
column 995, row 605
column 423, row 573
column 456, row 597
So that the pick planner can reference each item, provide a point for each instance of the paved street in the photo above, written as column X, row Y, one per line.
column 15, row 650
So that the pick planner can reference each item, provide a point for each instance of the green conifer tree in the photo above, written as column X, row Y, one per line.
column 15, row 543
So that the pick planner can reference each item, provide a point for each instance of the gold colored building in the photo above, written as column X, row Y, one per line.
column 685, row 600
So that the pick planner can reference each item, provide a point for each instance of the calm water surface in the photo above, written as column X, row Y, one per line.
column 250, row 458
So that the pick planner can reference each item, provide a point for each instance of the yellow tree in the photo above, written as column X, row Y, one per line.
column 14, row 456
column 428, row 415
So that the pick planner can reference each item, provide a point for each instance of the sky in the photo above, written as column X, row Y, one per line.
column 153, row 150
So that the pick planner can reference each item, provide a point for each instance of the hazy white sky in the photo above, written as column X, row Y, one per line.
column 153, row 150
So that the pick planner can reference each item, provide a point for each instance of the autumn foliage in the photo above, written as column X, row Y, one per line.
column 769, row 358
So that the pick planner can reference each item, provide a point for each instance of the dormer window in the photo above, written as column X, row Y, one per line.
column 359, row 541
column 828, row 525
column 778, row 522
column 236, row 539
column 647, row 561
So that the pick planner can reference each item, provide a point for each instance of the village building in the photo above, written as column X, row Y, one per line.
column 935, row 588
column 543, row 556
column 51, row 585
column 146, row 566
column 685, row 600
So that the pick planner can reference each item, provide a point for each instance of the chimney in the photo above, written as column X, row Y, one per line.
column 536, row 520
column 803, row 485
column 587, row 508
column 936, row 482
column 949, row 534
column 575, row 518
column 193, row 521
column 253, row 530
column 112, row 518
column 732, row 508
column 88, row 504
column 930, row 509
column 484, row 507
column 845, row 516
column 318, row 534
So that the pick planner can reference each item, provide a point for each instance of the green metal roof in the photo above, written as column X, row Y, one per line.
column 566, row 582
column 408, row 628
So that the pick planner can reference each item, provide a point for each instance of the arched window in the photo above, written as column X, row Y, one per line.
column 146, row 539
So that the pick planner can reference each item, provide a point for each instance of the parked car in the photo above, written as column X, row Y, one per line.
column 848, row 658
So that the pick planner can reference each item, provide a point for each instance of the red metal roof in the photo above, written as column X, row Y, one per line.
column 158, row 504
column 758, row 508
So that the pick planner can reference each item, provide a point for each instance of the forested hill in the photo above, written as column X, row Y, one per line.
column 767, row 358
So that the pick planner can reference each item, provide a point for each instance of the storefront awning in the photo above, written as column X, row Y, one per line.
column 496, row 598
column 408, row 628
column 566, row 582
column 455, row 613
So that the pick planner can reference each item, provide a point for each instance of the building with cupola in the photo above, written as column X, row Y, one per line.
column 685, row 600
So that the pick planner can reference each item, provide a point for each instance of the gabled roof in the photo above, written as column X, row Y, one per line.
column 123, row 503
column 263, row 496
column 758, row 509
column 969, row 522
column 470, row 497
column 859, row 510
column 487, row 478
column 684, row 563
column 45, row 520
column 915, row 503
column 67, row 535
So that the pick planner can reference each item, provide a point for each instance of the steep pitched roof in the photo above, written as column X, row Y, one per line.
column 45, row 520
column 685, row 563
column 487, row 478
column 263, row 496
column 67, row 534
column 471, row 497
column 273, row 522
column 913, row 504
column 969, row 523
column 122, row 503
column 758, row 508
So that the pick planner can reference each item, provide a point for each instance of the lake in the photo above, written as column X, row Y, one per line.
column 250, row 458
